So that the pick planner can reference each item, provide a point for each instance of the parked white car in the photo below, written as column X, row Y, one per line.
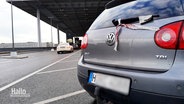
column 64, row 47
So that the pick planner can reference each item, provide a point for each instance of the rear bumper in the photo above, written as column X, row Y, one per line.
column 135, row 96
column 64, row 50
column 168, row 85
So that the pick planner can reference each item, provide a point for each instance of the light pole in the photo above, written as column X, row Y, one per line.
column 13, row 45
column 13, row 53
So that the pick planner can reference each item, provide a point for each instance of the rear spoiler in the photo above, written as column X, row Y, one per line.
column 114, row 3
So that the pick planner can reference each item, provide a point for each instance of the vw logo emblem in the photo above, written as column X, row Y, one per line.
column 110, row 39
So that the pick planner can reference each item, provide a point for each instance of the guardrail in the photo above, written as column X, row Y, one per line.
column 8, row 50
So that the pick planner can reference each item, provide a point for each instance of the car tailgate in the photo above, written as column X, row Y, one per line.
column 137, row 49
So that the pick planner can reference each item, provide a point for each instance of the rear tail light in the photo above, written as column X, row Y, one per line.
column 181, row 45
column 168, row 35
column 84, row 42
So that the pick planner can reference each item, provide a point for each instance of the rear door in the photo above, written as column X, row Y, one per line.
column 137, row 48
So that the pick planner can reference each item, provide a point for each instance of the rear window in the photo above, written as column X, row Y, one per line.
column 182, row 1
column 64, row 44
column 163, row 8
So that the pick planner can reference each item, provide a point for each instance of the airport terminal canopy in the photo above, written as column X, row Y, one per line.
column 71, row 16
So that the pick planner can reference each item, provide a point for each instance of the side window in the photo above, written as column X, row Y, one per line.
column 163, row 8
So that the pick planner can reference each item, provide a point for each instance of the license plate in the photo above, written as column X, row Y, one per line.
column 114, row 83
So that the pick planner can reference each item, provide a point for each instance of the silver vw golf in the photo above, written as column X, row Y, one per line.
column 133, row 53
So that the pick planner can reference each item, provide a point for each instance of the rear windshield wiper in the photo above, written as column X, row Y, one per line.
column 142, row 20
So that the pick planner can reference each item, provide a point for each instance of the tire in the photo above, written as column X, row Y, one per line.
column 102, row 101
column 71, row 50
column 99, row 100
column 59, row 52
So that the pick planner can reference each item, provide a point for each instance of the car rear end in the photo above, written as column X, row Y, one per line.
column 64, row 47
column 139, row 63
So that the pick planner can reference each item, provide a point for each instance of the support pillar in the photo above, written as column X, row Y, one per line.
column 52, row 43
column 58, row 34
column 51, row 31
column 38, row 27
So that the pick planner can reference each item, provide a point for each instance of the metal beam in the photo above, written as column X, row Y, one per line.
column 63, row 22
column 75, row 15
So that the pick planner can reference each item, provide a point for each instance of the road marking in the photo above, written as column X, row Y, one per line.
column 27, row 76
column 61, row 97
column 5, row 62
column 69, row 61
column 60, row 70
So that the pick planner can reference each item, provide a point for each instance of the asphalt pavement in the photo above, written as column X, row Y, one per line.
column 43, row 77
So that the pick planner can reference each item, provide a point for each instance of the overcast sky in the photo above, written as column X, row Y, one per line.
column 25, row 26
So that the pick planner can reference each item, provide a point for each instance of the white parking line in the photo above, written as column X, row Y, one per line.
column 27, row 76
column 61, row 97
column 5, row 62
column 60, row 70
column 69, row 61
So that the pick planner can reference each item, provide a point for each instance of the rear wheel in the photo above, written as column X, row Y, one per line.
column 99, row 100
column 59, row 52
